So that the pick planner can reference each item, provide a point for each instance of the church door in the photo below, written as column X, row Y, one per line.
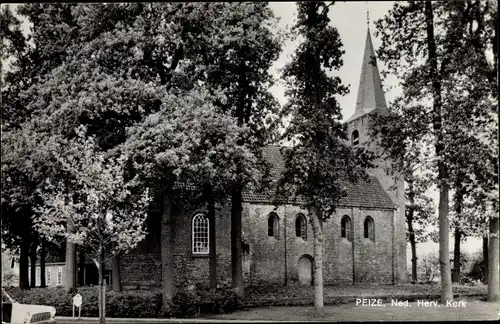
column 305, row 270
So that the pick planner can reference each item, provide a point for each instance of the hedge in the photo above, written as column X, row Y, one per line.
column 133, row 304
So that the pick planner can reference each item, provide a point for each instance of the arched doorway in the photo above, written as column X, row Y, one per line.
column 305, row 267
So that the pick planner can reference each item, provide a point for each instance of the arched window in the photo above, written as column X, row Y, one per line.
column 200, row 234
column 273, row 225
column 301, row 227
column 345, row 228
column 369, row 228
column 355, row 138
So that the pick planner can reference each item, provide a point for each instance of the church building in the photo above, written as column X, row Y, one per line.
column 364, row 241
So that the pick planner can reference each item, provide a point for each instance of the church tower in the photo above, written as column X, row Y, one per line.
column 371, row 101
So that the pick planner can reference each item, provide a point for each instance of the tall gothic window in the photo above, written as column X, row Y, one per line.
column 273, row 225
column 355, row 138
column 369, row 228
column 38, row 280
column 59, row 276
column 345, row 228
column 301, row 227
column 200, row 234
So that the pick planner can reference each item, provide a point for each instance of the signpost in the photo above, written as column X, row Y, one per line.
column 77, row 302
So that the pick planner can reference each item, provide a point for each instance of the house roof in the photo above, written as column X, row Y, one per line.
column 371, row 97
column 363, row 194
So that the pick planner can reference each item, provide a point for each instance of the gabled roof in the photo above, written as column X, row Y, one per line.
column 363, row 194
column 371, row 97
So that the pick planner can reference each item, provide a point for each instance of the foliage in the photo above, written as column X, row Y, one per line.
column 466, row 82
column 428, row 267
column 320, row 162
column 106, row 209
column 190, row 142
column 470, row 267
column 133, row 304
column 439, row 52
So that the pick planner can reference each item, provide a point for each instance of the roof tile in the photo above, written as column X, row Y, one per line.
column 364, row 194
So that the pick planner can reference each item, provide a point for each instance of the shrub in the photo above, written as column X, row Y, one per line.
column 146, row 304
column 218, row 301
column 187, row 303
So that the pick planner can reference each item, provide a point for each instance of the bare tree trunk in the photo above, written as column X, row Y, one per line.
column 81, row 262
column 101, row 292
column 444, row 254
column 236, row 248
column 167, row 250
column 69, row 275
column 485, row 260
column 446, row 287
column 33, row 262
column 24, row 265
column 459, row 194
column 413, row 244
column 43, row 254
column 318, row 262
column 211, row 239
column 493, row 264
column 115, row 273
column 456, row 256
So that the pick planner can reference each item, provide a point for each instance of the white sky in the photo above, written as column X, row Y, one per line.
column 350, row 19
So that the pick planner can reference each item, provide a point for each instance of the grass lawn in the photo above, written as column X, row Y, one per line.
column 303, row 296
column 474, row 309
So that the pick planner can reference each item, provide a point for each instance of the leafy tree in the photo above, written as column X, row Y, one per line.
column 424, row 44
column 239, row 49
column 88, row 59
column 109, row 212
column 31, row 57
column 190, row 143
column 321, row 162
column 401, row 138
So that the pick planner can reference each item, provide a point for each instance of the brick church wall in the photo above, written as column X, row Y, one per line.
column 265, row 263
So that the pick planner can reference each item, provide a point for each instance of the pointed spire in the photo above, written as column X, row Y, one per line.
column 370, row 93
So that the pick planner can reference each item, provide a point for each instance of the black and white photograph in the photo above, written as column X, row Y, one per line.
column 230, row 162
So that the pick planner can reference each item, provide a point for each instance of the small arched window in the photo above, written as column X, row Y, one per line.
column 345, row 228
column 301, row 227
column 273, row 225
column 369, row 228
column 355, row 138
column 200, row 234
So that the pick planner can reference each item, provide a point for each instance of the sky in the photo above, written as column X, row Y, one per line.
column 350, row 19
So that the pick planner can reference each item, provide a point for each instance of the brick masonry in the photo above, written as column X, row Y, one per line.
column 271, row 260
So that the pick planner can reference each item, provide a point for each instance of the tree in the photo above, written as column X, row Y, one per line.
column 239, row 49
column 320, row 162
column 31, row 57
column 189, row 144
column 419, row 210
column 434, row 62
column 401, row 138
column 106, row 210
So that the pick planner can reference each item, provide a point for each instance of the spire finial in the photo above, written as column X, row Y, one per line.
column 368, row 18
